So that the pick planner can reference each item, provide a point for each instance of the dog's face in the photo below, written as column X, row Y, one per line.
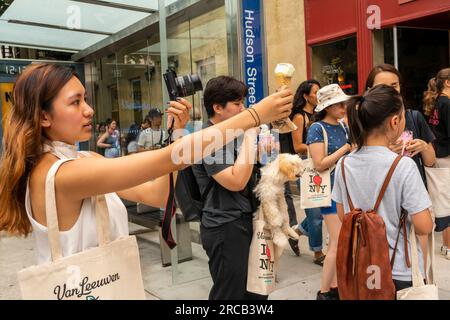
column 290, row 165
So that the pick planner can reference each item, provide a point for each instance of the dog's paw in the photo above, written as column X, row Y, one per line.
column 280, row 239
column 292, row 234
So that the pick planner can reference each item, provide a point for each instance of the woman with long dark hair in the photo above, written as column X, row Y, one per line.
column 305, row 100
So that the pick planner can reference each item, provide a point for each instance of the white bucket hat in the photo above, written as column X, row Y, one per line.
column 330, row 95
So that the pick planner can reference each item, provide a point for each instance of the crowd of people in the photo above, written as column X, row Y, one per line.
column 365, row 119
column 367, row 130
column 149, row 135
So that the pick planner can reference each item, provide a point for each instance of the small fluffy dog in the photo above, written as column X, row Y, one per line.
column 270, row 191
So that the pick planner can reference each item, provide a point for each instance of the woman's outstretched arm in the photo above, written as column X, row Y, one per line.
column 92, row 176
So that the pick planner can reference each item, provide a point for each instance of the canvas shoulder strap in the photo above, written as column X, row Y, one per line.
column 101, row 212
column 51, row 211
column 325, row 138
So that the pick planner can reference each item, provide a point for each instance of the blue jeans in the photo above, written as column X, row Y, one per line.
column 312, row 227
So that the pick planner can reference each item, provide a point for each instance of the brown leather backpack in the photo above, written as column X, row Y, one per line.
column 364, row 271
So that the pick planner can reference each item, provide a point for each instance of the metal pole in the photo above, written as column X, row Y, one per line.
column 163, row 45
column 233, row 17
column 164, row 66
column 395, row 47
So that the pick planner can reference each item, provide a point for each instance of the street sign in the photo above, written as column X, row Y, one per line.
column 252, row 50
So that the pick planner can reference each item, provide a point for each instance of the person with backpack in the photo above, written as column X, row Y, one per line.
column 153, row 137
column 419, row 145
column 331, row 109
column 226, row 225
column 305, row 100
column 371, row 240
column 420, row 148
column 440, row 122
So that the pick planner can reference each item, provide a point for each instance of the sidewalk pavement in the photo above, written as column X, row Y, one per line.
column 298, row 279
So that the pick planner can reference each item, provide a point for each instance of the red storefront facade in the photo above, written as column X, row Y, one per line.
column 335, row 29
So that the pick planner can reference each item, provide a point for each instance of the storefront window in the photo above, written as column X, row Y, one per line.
column 209, row 51
column 433, row 54
column 383, row 46
column 336, row 62
column 419, row 63
column 136, row 68
column 128, row 84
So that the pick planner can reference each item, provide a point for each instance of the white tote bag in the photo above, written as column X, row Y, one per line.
column 108, row 272
column 263, row 259
column 315, row 187
column 420, row 290
column 438, row 184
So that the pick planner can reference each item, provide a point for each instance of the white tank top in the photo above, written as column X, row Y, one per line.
column 83, row 234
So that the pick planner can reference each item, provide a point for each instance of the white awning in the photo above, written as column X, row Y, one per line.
column 70, row 25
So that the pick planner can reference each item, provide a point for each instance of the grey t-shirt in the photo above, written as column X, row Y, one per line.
column 365, row 171
column 221, row 206
column 150, row 138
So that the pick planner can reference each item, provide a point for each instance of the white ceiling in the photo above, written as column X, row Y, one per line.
column 50, row 23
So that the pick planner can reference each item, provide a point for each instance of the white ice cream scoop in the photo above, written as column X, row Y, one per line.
column 284, row 70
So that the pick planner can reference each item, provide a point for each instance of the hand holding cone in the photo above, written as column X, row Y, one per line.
column 284, row 73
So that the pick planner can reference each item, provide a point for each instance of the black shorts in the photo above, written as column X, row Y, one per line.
column 442, row 223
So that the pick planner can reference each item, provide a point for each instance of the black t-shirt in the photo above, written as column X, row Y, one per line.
column 418, row 125
column 222, row 205
column 440, row 122
column 286, row 140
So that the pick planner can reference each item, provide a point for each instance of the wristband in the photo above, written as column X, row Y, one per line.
column 254, row 118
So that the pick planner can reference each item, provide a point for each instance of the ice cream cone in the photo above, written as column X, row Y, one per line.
column 282, row 80
column 283, row 74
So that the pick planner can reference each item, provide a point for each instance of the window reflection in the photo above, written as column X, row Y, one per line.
column 127, row 86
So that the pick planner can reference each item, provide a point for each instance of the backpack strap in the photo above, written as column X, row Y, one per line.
column 386, row 182
column 402, row 225
column 403, row 216
column 350, row 202
column 161, row 137
column 415, row 120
